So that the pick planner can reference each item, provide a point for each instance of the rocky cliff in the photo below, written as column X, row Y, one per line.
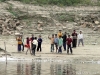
column 46, row 20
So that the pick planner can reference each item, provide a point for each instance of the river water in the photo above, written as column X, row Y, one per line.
column 40, row 66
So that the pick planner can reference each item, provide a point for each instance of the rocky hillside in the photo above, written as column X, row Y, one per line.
column 46, row 20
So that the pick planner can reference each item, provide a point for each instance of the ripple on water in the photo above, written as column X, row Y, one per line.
column 49, row 68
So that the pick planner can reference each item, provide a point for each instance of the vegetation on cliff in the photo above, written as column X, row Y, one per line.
column 61, row 2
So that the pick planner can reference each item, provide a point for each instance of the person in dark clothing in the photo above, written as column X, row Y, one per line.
column 32, row 38
column 74, row 35
column 69, row 41
column 64, row 41
column 34, row 45
column 39, row 43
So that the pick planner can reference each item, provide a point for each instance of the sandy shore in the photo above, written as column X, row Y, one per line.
column 88, row 51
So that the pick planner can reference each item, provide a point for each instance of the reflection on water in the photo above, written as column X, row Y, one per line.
column 33, row 68
column 47, row 68
column 62, row 69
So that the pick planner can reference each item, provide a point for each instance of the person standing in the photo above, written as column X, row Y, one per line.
column 69, row 41
column 28, row 45
column 60, row 44
column 39, row 43
column 60, row 34
column 52, row 42
column 19, row 39
column 56, row 41
column 80, row 38
column 64, row 41
column 22, row 42
column 34, row 44
column 74, row 36
column 32, row 38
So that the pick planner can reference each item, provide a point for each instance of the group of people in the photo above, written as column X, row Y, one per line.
column 57, row 40
column 31, row 44
column 62, row 40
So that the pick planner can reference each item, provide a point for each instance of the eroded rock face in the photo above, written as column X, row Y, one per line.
column 8, row 25
column 90, row 21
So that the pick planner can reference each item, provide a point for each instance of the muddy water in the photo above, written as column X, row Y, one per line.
column 41, row 66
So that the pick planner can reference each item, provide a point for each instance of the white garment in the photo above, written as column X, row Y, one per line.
column 35, row 42
column 80, row 36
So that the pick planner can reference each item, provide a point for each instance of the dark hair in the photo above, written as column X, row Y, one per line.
column 68, row 35
column 35, row 37
column 55, row 34
column 52, row 34
column 27, row 38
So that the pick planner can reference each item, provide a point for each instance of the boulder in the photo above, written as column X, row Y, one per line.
column 40, row 22
column 18, row 28
column 96, row 22
column 64, row 27
column 95, row 29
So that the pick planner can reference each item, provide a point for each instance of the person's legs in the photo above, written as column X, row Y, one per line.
column 19, row 47
column 73, row 42
column 56, row 46
column 70, row 49
column 38, row 47
column 79, row 42
column 31, row 46
column 58, row 49
column 51, row 47
column 22, row 47
column 33, row 49
column 82, row 42
column 64, row 46
column 67, row 49
column 26, row 51
column 61, row 49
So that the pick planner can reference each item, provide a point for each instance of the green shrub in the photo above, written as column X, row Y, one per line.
column 2, row 0
column 65, row 17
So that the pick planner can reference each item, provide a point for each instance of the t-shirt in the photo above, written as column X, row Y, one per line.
column 39, row 40
column 59, row 34
column 19, row 40
column 69, row 40
column 34, row 42
column 74, row 35
column 60, row 42
column 64, row 38
column 80, row 36
column 56, row 40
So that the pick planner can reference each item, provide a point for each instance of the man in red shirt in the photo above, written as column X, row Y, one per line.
column 69, row 41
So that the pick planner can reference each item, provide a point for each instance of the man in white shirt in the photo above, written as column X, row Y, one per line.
column 34, row 44
column 80, row 38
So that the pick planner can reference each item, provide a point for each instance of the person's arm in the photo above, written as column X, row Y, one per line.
column 76, row 35
column 49, row 37
column 41, row 40
column 72, row 34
